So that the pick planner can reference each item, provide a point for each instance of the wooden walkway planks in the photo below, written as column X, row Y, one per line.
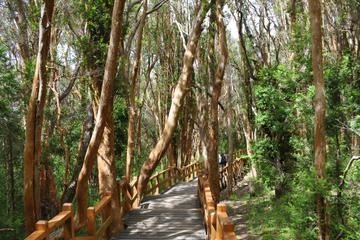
column 174, row 214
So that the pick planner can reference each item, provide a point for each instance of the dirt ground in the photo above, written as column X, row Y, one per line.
column 237, row 211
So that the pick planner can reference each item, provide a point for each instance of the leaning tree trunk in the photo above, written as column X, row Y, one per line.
column 34, row 121
column 319, row 123
column 214, row 128
column 176, row 104
column 103, row 114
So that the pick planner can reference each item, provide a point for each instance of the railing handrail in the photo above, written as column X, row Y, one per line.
column 217, row 223
column 104, row 204
column 44, row 228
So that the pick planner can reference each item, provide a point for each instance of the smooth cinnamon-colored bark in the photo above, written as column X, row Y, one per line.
column 319, row 122
column 34, row 121
column 131, row 108
column 214, row 128
column 107, row 174
column 190, row 130
column 104, row 112
column 176, row 104
column 230, row 140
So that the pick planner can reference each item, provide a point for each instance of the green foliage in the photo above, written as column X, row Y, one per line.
column 97, row 14
column 120, row 125
column 283, row 152
column 292, row 216
column 11, row 133
column 275, row 93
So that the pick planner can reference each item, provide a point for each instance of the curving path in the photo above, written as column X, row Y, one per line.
column 174, row 214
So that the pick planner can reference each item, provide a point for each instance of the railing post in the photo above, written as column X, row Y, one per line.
column 213, row 223
column 126, row 196
column 91, row 224
column 210, row 205
column 151, row 186
column 157, row 183
column 133, row 193
column 174, row 174
column 221, row 210
column 69, row 228
column 169, row 177
column 42, row 225
column 184, row 174
column 192, row 171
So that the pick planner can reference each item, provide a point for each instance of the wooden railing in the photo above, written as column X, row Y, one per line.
column 65, row 219
column 161, row 181
column 218, row 225
column 44, row 228
column 237, row 169
column 103, row 205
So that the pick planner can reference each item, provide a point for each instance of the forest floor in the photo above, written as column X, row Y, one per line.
column 238, row 210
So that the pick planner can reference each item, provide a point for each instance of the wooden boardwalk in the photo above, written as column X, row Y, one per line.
column 174, row 214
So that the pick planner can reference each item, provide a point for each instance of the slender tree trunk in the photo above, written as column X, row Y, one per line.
column 214, row 128
column 103, row 114
column 34, row 121
column 107, row 174
column 87, row 128
column 189, row 135
column 230, row 140
column 176, row 104
column 134, row 78
column 49, row 199
column 247, row 88
column 319, row 123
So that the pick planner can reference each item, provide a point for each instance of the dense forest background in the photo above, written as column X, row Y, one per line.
column 266, row 103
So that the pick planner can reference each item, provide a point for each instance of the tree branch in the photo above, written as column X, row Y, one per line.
column 70, row 86
column 348, row 127
column 341, row 185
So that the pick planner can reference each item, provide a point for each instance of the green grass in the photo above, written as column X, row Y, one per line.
column 289, row 217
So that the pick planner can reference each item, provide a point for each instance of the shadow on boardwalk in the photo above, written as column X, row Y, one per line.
column 174, row 214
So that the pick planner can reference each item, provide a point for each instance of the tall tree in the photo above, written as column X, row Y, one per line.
column 176, row 103
column 217, row 84
column 34, row 121
column 229, row 117
column 319, row 122
column 104, row 111
column 132, row 92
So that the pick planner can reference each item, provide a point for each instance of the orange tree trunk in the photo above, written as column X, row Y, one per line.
column 214, row 128
column 131, row 111
column 103, row 112
column 230, row 140
column 176, row 104
column 34, row 121
column 319, row 123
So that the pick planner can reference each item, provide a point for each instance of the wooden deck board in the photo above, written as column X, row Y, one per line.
column 174, row 214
